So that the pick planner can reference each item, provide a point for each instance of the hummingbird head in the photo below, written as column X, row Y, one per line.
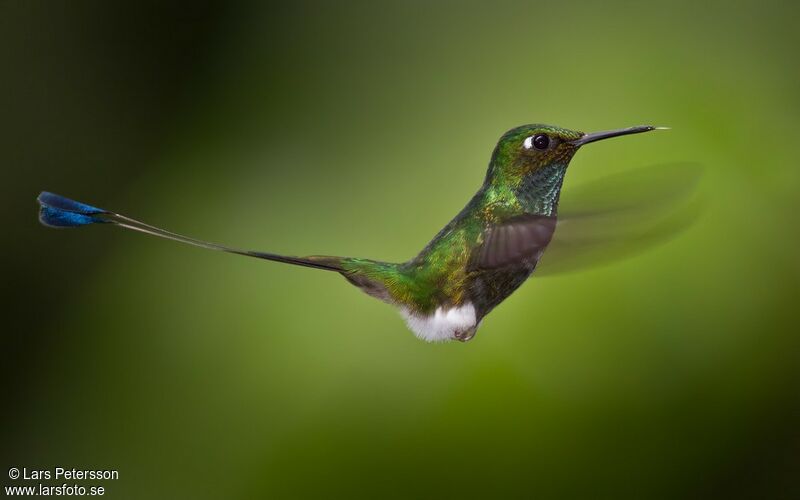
column 530, row 148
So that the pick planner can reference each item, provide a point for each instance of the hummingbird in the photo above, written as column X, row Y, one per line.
column 475, row 262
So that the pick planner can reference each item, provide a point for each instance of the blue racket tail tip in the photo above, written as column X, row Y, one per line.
column 58, row 211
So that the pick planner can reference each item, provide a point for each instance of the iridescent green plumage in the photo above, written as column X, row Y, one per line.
column 519, row 181
column 485, row 253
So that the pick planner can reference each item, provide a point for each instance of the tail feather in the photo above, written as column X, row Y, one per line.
column 60, row 212
column 57, row 211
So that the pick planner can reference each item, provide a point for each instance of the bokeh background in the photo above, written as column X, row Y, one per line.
column 360, row 128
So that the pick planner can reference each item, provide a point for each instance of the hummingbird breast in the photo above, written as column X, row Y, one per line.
column 488, row 288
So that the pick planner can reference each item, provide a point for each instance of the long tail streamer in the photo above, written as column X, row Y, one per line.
column 60, row 212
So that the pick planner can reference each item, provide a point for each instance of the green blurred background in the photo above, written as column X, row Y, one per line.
column 360, row 128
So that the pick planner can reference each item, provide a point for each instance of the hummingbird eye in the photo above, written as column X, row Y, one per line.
column 538, row 141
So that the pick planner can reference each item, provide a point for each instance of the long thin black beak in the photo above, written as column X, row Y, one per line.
column 607, row 134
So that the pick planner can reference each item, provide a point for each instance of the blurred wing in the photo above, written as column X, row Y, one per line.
column 621, row 215
column 516, row 240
